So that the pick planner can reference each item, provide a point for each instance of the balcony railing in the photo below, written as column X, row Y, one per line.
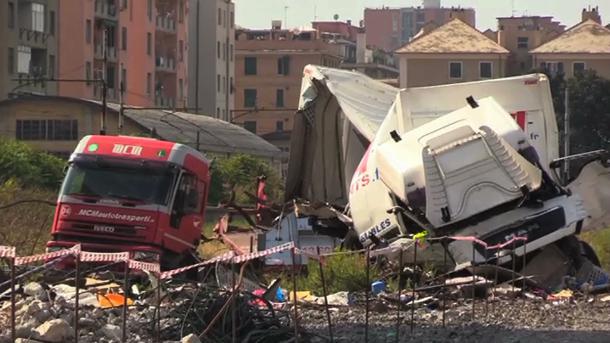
column 32, row 37
column 165, row 64
column 162, row 101
column 166, row 24
column 99, row 52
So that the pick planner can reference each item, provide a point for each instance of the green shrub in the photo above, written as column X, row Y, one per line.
column 29, row 167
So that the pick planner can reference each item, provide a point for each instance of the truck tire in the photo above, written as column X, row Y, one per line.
column 587, row 251
column 351, row 241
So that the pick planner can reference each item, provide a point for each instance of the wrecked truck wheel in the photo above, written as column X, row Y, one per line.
column 351, row 241
column 587, row 251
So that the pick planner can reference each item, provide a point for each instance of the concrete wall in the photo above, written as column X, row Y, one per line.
column 418, row 71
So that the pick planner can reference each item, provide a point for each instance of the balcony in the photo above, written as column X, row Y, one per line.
column 165, row 64
column 33, row 38
column 162, row 101
column 106, row 9
column 99, row 53
column 166, row 24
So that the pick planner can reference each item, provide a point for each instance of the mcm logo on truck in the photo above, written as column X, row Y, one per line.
column 124, row 149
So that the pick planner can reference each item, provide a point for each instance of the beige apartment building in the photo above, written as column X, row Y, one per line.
column 454, row 52
column 584, row 46
column 268, row 72
column 28, row 46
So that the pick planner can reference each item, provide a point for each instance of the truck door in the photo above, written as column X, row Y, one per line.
column 187, row 211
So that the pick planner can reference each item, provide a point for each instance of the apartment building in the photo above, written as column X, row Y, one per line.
column 28, row 46
column 390, row 28
column 211, row 57
column 139, row 44
column 455, row 52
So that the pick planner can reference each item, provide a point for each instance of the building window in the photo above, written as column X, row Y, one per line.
column 11, row 15
column 217, row 112
column 88, row 72
column 148, row 83
column 232, row 19
column 37, row 17
column 522, row 42
column 149, row 9
column 88, row 31
column 62, row 130
column 124, row 38
column 578, row 67
column 455, row 70
column 249, row 97
column 149, row 43
column 181, row 50
column 218, row 83
column 250, row 65
column 231, row 85
column 279, row 126
column 123, row 79
column 11, row 61
column 52, row 22
column 279, row 98
column 181, row 12
column 224, row 51
column 180, row 89
column 231, row 52
column 250, row 125
column 124, row 4
column 52, row 66
column 283, row 65
column 110, row 76
column 31, row 130
column 485, row 70
column 218, row 49
column 24, row 57
column 552, row 68
column 224, row 83
column 54, row 130
column 219, row 17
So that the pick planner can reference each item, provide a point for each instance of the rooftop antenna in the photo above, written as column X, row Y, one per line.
column 286, row 16
column 512, row 8
column 315, row 12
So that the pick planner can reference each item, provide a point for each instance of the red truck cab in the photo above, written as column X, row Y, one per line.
column 135, row 194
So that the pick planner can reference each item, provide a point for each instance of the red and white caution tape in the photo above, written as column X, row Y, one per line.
column 87, row 256
column 485, row 245
column 7, row 252
column 41, row 257
column 147, row 266
column 258, row 254
column 222, row 258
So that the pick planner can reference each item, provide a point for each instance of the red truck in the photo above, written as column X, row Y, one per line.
column 135, row 194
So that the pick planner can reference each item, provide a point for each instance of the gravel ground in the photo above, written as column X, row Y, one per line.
column 517, row 320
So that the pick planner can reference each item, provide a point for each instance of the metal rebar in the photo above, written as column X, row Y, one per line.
column 294, row 292
column 77, row 291
column 523, row 269
column 366, row 300
column 486, row 286
column 233, row 307
column 400, row 267
column 159, row 309
column 444, row 288
column 13, row 303
column 514, row 256
column 413, row 286
column 125, row 289
column 330, row 325
column 493, row 305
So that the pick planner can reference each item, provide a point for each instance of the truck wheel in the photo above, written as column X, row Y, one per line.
column 351, row 241
column 587, row 251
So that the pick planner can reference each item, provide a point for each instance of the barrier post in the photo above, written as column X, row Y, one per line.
column 76, row 299
column 13, row 304
column 330, row 325
column 444, row 288
column 294, row 293
column 159, row 309
column 474, row 282
column 125, row 290
column 523, row 268
column 400, row 267
column 486, row 284
column 493, row 307
column 233, row 314
column 366, row 300
column 514, row 256
column 413, row 287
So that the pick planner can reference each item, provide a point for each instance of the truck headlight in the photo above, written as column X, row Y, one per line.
column 146, row 256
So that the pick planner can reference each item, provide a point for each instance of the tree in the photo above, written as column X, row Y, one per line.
column 29, row 167
column 239, row 173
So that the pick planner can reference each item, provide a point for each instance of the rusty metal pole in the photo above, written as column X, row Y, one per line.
column 330, row 325
column 251, row 244
column 159, row 309
column 514, row 256
column 474, row 282
column 444, row 288
column 77, row 289
column 125, row 289
column 523, row 268
column 413, row 287
column 233, row 308
column 294, row 293
column 366, row 294
column 493, row 307
column 486, row 284
column 400, row 267
column 13, row 303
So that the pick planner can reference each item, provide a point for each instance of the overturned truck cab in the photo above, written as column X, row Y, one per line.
column 462, row 160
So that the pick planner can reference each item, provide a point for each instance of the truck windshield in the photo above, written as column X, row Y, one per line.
column 120, row 181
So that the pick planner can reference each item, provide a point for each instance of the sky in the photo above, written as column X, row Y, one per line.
column 300, row 13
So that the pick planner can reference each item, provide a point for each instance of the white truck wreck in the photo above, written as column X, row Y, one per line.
column 468, row 159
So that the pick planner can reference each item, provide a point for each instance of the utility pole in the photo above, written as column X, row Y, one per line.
column 104, row 82
column 227, row 60
column 566, row 137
